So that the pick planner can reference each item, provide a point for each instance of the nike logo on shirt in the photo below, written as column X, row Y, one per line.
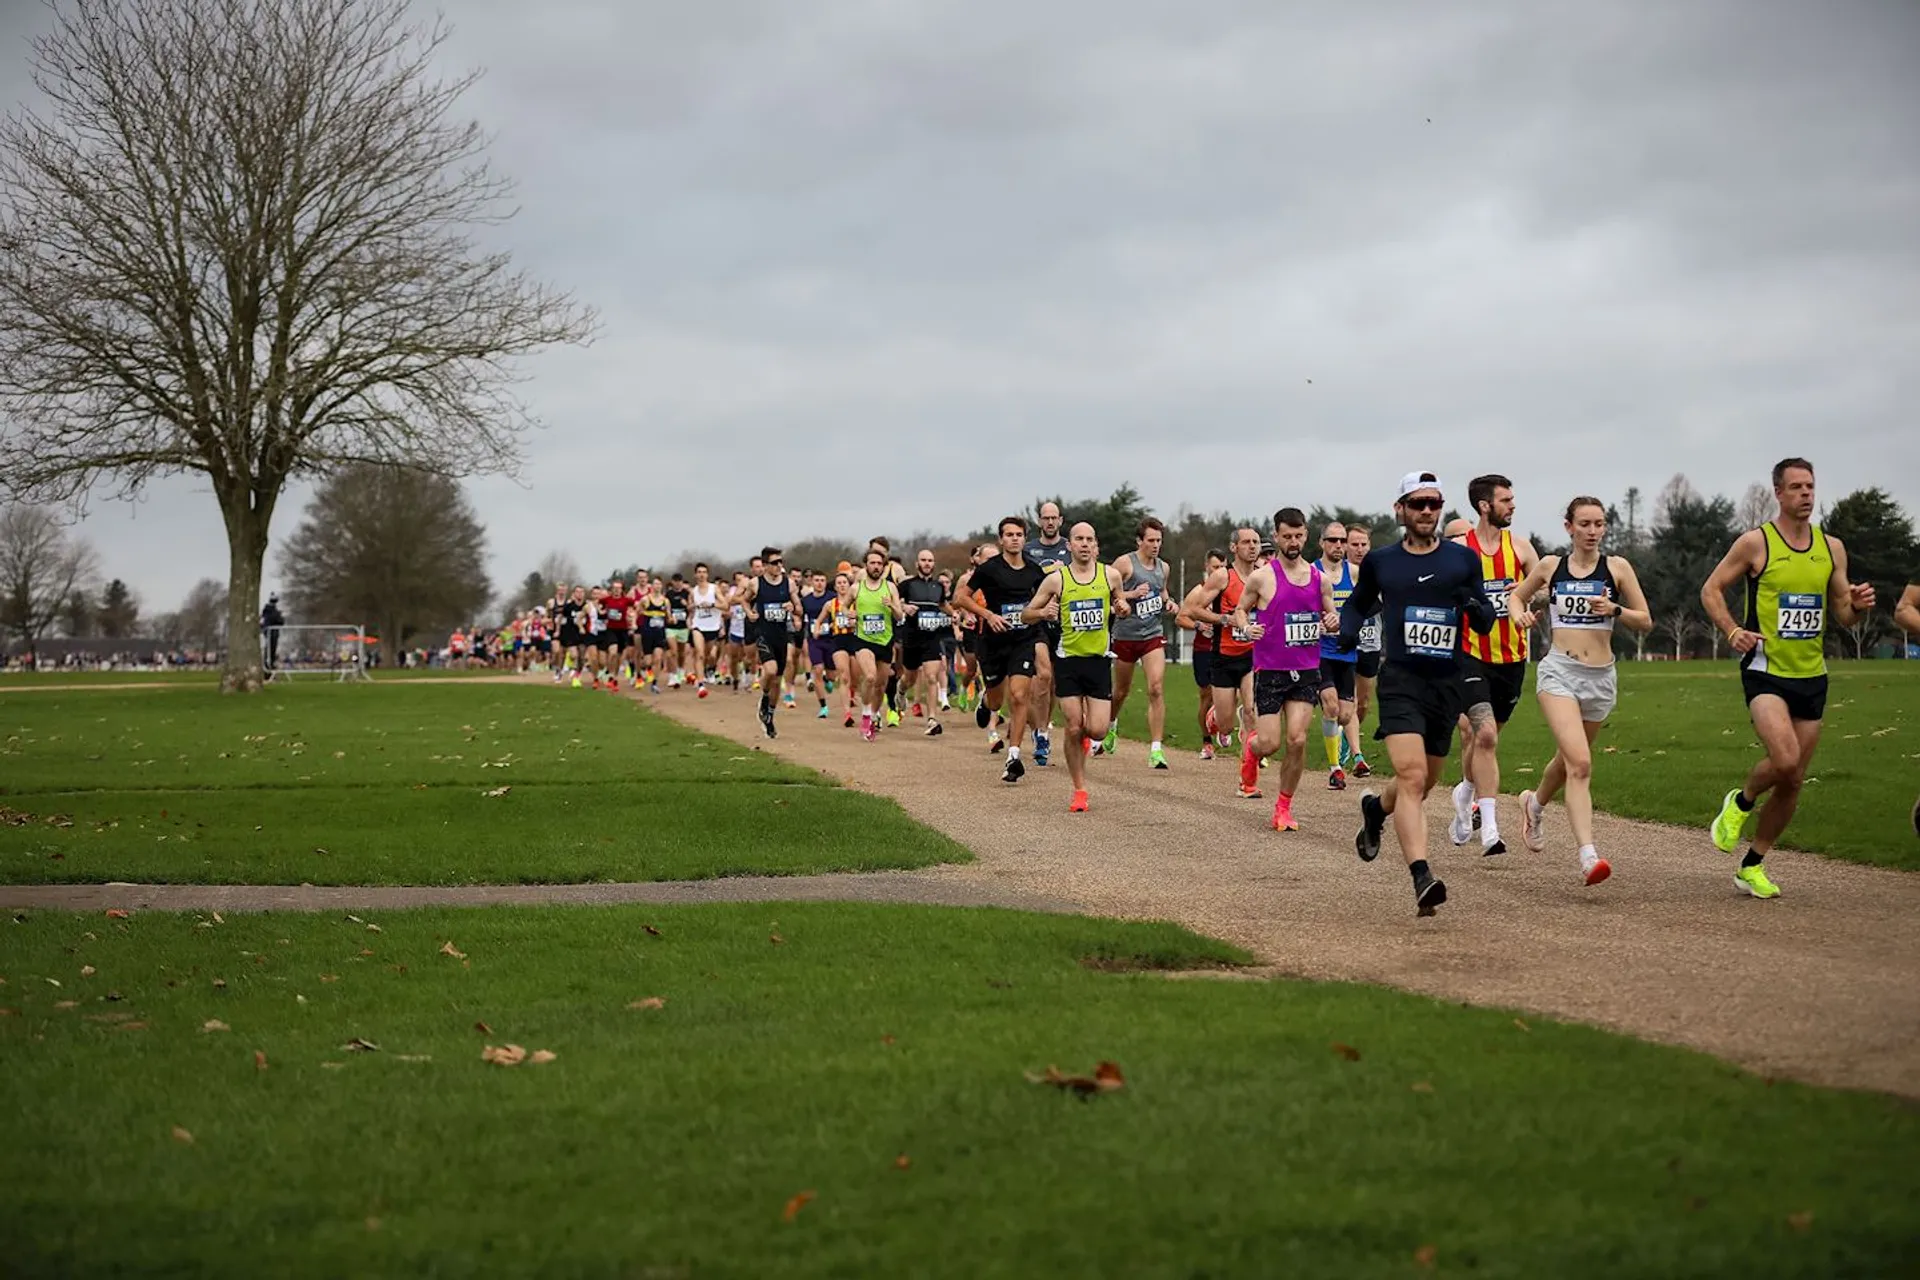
column 1426, row 577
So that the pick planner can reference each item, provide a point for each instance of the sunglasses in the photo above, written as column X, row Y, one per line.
column 1423, row 504
column 776, row 560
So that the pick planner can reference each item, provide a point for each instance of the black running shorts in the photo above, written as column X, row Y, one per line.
column 1083, row 678
column 1417, row 703
column 770, row 641
column 1272, row 690
column 1498, row 684
column 1367, row 665
column 1202, row 660
column 1229, row 669
column 1806, row 697
column 1002, row 659
column 1338, row 676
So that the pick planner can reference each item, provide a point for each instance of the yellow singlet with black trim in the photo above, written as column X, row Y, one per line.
column 1787, row 607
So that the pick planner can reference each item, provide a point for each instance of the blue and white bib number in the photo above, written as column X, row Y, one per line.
column 873, row 624
column 1801, row 617
column 774, row 613
column 1302, row 630
column 1496, row 590
column 1149, row 606
column 1370, row 634
column 1010, row 613
column 1429, row 632
column 1574, row 602
column 934, row 621
column 1086, row 615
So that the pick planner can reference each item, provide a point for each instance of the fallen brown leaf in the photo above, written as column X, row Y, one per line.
column 505, row 1055
column 329, row 977
column 130, row 1026
column 651, row 1002
column 259, row 1059
column 1421, row 1086
column 182, row 1136
column 902, row 1162
column 359, row 1045
column 58, row 1004
column 1346, row 1051
column 1521, row 1023
column 448, row 949
column 14, row 1013
column 366, row 952
column 413, row 1057
column 214, row 1024
column 115, row 913
column 483, row 1028
column 219, row 984
column 496, row 792
column 374, row 928
column 1105, row 1079
column 1425, row 1255
column 87, row 971
column 540, row 1057
column 887, row 1040
column 373, row 1224
column 775, row 939
column 1800, row 1221
column 651, row 931
column 796, row 1204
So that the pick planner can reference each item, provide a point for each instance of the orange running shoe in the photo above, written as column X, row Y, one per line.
column 1249, row 774
column 1079, row 804
column 1283, row 813
column 1598, row 871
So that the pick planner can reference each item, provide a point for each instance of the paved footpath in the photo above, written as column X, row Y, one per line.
column 1821, row 984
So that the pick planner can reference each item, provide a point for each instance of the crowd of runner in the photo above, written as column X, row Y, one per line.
column 1428, row 633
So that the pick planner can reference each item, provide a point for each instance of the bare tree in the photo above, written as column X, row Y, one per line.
column 239, row 242
column 202, row 618
column 398, row 548
column 1756, row 506
column 42, row 567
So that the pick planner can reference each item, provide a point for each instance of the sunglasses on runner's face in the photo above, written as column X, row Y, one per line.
column 1424, row 504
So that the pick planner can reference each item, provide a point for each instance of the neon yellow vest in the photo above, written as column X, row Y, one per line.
column 1086, row 613
column 874, row 614
column 1787, row 607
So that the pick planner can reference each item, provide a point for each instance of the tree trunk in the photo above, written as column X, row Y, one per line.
column 390, row 642
column 246, row 553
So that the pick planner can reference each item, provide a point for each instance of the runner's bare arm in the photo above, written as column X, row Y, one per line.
column 1122, row 602
column 1198, row 604
column 1850, row 599
column 1746, row 556
column 894, row 603
column 1906, row 614
column 1634, row 613
column 1520, row 599
column 1044, row 607
column 1259, row 589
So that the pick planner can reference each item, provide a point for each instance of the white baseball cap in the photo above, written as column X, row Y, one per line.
column 1414, row 481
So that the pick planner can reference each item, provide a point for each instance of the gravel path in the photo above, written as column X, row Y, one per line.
column 1821, row 984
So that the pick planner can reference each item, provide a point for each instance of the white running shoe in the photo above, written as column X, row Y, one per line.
column 1460, row 829
column 1532, row 819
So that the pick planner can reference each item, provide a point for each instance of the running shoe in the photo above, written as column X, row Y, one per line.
column 1206, row 751
column 893, row 717
column 866, row 728
column 1373, row 820
column 1753, row 880
column 1460, row 826
column 1361, row 769
column 1337, row 779
column 848, row 722
column 1530, row 832
column 766, row 718
column 1600, row 871
column 1156, row 758
column 823, row 713
column 613, row 686
column 786, row 700
column 933, row 729
column 1493, row 850
column 1042, row 750
column 576, row 682
column 996, row 744
column 983, row 715
column 1111, row 742
column 703, row 690
column 1249, row 774
column 1014, row 770
column 1213, row 724
column 1078, row 804
column 1732, row 826
column 1088, row 747
column 1429, row 891
column 1283, row 813
column 918, row 711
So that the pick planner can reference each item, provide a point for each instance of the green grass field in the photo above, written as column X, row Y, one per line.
column 1680, row 738
column 388, row 784
column 874, row 1059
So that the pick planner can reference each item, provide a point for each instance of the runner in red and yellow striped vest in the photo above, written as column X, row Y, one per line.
column 1493, row 666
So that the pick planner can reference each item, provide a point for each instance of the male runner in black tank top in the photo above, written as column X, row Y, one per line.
column 772, row 599
column 927, row 623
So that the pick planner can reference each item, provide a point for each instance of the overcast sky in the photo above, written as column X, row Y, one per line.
column 871, row 266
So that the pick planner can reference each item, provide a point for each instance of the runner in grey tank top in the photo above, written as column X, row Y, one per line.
column 1140, row 638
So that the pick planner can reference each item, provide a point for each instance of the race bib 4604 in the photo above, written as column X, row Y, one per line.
column 1429, row 632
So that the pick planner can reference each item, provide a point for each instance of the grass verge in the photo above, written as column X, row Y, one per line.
column 863, row 1067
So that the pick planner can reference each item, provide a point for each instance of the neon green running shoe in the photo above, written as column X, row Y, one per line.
column 1754, row 880
column 893, row 718
column 1112, row 740
column 1156, row 759
column 1732, row 824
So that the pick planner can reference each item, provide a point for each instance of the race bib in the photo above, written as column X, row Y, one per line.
column 1149, row 606
column 1239, row 634
column 1574, row 601
column 774, row 613
column 1428, row 632
column 615, row 617
column 1801, row 617
column 1370, row 634
column 1303, row 629
column 1496, row 590
column 1011, row 613
column 932, row 621
column 873, row 624
column 1086, row 615
column 679, row 617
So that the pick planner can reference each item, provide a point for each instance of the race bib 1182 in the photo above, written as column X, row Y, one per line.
column 1303, row 630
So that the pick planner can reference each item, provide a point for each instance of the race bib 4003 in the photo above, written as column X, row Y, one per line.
column 1429, row 632
column 1087, row 615
column 1802, row 616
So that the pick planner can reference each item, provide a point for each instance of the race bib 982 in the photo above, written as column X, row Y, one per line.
column 1574, row 600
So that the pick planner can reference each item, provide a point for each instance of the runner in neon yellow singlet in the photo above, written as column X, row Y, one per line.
column 876, row 607
column 1795, row 578
column 1083, row 596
